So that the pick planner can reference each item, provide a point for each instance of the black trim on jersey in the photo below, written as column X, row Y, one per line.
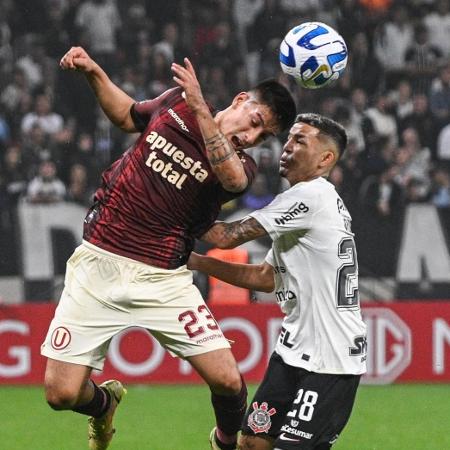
column 138, row 122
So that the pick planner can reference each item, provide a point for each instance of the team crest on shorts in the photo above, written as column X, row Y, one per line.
column 259, row 420
column 61, row 338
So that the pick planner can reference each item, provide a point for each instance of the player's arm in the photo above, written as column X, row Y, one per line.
column 258, row 277
column 230, row 235
column 115, row 103
column 224, row 161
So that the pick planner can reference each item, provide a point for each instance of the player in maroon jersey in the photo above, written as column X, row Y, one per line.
column 164, row 192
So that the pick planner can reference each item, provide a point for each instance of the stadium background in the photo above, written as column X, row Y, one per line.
column 394, row 100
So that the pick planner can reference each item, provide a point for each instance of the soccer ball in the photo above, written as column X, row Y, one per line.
column 314, row 54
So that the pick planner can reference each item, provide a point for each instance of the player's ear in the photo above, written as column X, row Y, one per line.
column 240, row 98
column 328, row 158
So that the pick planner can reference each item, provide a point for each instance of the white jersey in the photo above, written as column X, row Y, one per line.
column 316, row 279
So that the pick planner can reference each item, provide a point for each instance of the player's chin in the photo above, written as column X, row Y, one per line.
column 282, row 171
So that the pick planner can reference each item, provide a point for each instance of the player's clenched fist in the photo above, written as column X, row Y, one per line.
column 77, row 59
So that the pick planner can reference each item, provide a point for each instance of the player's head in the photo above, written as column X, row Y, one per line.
column 314, row 145
column 253, row 116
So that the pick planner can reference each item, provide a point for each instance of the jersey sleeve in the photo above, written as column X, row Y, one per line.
column 141, row 112
column 269, row 258
column 290, row 211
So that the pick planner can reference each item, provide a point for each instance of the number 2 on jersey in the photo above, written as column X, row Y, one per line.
column 347, row 293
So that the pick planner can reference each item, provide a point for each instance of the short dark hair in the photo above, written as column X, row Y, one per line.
column 278, row 98
column 326, row 126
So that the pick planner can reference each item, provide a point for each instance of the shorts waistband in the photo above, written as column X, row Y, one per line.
column 117, row 257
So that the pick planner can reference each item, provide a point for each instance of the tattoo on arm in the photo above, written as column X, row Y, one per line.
column 219, row 149
column 234, row 233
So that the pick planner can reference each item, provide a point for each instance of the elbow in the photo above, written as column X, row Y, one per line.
column 226, row 245
column 236, row 184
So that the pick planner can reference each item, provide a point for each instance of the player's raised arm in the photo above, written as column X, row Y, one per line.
column 230, row 235
column 224, row 160
column 258, row 277
column 115, row 103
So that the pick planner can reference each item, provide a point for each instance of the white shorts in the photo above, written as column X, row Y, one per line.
column 105, row 294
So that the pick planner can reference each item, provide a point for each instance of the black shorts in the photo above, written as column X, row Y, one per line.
column 300, row 409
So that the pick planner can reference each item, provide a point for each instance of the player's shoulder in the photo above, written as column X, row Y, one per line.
column 315, row 187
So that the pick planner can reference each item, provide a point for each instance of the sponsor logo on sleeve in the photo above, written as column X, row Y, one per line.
column 294, row 211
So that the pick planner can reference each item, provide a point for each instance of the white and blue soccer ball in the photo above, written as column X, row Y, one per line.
column 314, row 53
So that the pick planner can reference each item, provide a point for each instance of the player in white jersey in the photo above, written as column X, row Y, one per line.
column 310, row 385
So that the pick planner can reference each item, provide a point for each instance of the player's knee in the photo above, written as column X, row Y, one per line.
column 60, row 398
column 228, row 383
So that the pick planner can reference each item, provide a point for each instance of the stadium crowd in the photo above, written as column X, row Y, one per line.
column 393, row 99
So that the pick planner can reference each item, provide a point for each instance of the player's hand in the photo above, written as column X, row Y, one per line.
column 187, row 79
column 77, row 59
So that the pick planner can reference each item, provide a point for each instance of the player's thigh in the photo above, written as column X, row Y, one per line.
column 183, row 324
column 320, row 410
column 271, row 402
column 88, row 314
column 247, row 442
column 219, row 369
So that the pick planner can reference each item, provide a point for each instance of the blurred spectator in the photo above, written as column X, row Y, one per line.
column 440, row 95
column 265, row 35
column 171, row 45
column 204, row 32
column 43, row 116
column 391, row 41
column 159, row 71
column 5, row 132
column 99, row 22
column 422, row 60
column 14, row 91
column 423, row 121
column 78, row 189
column 440, row 191
column 35, row 149
column 46, row 187
column 6, row 50
column 218, row 89
column 244, row 13
column 401, row 97
column 13, row 174
column 56, row 35
column 379, row 121
column 258, row 194
column 34, row 60
column 352, row 124
column 381, row 203
column 437, row 22
column 350, row 19
column 413, row 163
column 224, row 52
column 382, row 195
column 366, row 71
column 443, row 146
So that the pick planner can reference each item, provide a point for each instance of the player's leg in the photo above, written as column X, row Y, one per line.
column 319, row 412
column 267, row 411
column 77, row 341
column 67, row 385
column 228, row 394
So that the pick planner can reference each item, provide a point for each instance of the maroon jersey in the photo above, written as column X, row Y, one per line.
column 162, row 193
